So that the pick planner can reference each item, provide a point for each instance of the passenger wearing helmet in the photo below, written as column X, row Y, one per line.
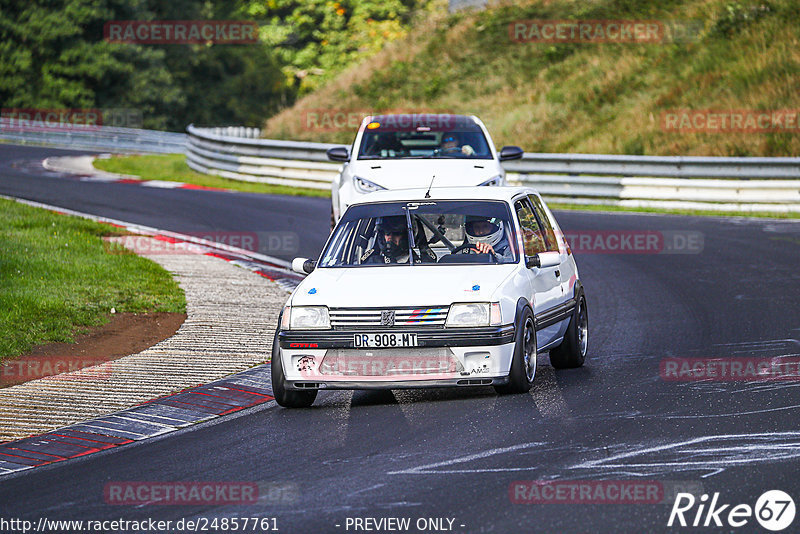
column 391, row 243
column 487, row 235
column 451, row 144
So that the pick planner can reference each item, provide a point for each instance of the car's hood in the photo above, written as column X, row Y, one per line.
column 412, row 173
column 402, row 285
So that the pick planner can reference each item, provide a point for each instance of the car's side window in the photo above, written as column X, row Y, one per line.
column 532, row 237
column 549, row 234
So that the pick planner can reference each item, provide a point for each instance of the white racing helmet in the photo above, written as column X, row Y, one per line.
column 487, row 230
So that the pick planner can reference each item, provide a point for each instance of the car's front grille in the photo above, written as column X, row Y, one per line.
column 422, row 316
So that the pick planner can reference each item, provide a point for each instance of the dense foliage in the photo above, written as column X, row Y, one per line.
column 314, row 39
column 53, row 56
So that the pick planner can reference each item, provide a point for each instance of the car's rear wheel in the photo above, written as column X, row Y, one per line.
column 572, row 351
column 286, row 397
column 523, row 364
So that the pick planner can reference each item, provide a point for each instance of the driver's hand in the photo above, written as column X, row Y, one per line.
column 484, row 248
column 467, row 150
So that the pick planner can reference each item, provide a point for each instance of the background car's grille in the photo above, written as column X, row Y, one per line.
column 371, row 317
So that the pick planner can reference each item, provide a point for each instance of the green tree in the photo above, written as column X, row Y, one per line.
column 53, row 55
column 316, row 39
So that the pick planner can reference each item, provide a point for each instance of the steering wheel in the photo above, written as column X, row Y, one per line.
column 452, row 151
column 470, row 245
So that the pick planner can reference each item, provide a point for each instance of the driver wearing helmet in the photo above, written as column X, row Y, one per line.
column 391, row 243
column 452, row 145
column 488, row 236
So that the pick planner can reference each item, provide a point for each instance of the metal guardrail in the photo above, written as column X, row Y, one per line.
column 731, row 184
column 93, row 138
column 298, row 164
column 712, row 183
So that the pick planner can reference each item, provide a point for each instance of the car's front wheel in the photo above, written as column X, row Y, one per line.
column 572, row 351
column 286, row 397
column 523, row 364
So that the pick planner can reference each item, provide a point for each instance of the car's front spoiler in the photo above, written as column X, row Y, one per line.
column 396, row 384
column 426, row 337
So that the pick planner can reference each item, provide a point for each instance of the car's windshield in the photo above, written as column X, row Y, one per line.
column 423, row 136
column 443, row 232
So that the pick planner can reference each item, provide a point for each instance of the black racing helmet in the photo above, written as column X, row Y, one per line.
column 394, row 225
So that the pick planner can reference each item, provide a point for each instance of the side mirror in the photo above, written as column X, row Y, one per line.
column 338, row 153
column 509, row 152
column 543, row 260
column 303, row 265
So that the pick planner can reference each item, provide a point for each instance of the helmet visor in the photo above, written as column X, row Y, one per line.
column 483, row 227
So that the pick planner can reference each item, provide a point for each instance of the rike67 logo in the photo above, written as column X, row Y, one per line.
column 774, row 510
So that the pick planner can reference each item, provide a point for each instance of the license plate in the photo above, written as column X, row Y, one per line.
column 381, row 340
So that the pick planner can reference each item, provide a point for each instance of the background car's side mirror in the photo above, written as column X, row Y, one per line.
column 303, row 265
column 338, row 153
column 542, row 260
column 508, row 152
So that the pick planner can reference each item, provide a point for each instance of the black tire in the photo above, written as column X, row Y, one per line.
column 523, row 365
column 286, row 397
column 572, row 351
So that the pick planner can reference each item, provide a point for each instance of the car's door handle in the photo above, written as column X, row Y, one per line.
column 558, row 273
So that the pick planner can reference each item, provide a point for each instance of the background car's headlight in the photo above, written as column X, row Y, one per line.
column 365, row 186
column 474, row 314
column 497, row 180
column 308, row 317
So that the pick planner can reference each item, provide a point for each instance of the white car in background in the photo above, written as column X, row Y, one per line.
column 416, row 288
column 406, row 151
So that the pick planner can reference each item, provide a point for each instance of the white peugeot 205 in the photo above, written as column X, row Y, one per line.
column 444, row 287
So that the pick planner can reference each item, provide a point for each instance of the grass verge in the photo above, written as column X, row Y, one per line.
column 173, row 168
column 580, row 97
column 57, row 279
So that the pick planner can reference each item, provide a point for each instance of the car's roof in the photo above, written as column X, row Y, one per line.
column 421, row 116
column 446, row 193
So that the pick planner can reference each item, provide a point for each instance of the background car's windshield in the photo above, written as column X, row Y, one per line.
column 423, row 136
column 377, row 234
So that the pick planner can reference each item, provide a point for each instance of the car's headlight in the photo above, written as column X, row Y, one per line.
column 306, row 318
column 474, row 314
column 365, row 186
column 497, row 180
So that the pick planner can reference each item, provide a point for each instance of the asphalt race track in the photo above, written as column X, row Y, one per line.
column 454, row 453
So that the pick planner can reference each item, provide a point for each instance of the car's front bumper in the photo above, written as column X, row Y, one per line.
column 428, row 337
column 396, row 384
column 443, row 357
